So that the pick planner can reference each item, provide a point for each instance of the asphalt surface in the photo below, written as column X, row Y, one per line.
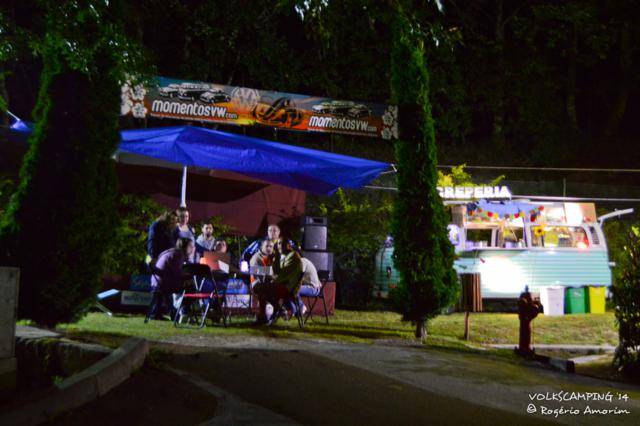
column 314, row 382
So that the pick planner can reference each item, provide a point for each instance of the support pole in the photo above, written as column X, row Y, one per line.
column 183, row 192
column 466, row 325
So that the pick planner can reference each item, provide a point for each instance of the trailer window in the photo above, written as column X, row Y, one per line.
column 478, row 238
column 512, row 237
column 559, row 236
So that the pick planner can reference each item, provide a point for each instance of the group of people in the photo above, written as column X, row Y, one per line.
column 172, row 243
column 293, row 275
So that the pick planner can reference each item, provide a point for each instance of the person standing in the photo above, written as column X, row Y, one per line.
column 184, row 230
column 167, row 276
column 161, row 235
column 206, row 240
column 273, row 233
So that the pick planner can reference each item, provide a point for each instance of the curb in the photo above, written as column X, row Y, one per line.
column 83, row 387
column 587, row 349
column 231, row 409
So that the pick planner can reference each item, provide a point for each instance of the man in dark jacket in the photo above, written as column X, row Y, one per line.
column 161, row 234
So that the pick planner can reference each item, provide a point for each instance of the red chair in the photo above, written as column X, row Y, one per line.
column 195, row 304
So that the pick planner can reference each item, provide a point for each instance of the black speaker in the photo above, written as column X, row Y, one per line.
column 322, row 260
column 317, row 221
column 314, row 236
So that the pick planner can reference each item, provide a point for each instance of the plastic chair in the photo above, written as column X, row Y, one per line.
column 324, row 277
column 103, row 296
column 199, row 301
column 235, row 288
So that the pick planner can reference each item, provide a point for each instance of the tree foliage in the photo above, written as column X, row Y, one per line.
column 422, row 252
column 626, row 297
column 357, row 229
column 126, row 255
column 61, row 220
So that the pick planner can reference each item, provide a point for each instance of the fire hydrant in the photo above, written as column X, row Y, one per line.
column 528, row 309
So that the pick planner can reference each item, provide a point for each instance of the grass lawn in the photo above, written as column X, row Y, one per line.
column 367, row 326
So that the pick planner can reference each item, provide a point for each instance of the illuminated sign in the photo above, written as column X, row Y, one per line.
column 242, row 106
column 474, row 192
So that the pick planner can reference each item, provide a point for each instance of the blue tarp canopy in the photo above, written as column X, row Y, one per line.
column 301, row 168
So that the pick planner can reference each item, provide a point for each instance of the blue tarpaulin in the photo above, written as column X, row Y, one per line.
column 296, row 167
column 302, row 168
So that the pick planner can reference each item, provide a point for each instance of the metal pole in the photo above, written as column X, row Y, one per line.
column 564, row 187
column 183, row 193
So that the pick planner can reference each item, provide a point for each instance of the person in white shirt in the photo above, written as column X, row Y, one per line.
column 311, row 284
column 206, row 240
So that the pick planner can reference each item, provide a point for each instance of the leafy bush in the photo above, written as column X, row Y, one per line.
column 128, row 252
column 357, row 230
column 6, row 189
column 626, row 297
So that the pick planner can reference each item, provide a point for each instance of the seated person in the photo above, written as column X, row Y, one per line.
column 273, row 235
column 220, row 246
column 205, row 241
column 286, row 278
column 264, row 257
column 311, row 284
column 167, row 276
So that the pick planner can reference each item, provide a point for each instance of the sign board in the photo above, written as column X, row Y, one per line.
column 217, row 103
column 474, row 192
column 135, row 298
column 140, row 283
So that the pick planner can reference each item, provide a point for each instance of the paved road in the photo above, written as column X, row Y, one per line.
column 333, row 383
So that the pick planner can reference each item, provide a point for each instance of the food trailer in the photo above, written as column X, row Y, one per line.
column 517, row 243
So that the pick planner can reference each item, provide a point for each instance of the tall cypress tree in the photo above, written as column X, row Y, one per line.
column 423, row 254
column 61, row 220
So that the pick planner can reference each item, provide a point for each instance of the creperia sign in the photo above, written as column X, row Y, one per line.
column 217, row 103
column 474, row 192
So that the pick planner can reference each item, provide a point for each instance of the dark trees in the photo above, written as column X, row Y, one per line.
column 61, row 219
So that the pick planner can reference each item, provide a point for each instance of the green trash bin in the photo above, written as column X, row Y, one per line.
column 575, row 300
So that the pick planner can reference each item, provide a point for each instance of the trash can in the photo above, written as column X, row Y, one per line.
column 552, row 299
column 575, row 300
column 596, row 297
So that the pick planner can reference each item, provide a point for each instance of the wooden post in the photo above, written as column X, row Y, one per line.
column 466, row 325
